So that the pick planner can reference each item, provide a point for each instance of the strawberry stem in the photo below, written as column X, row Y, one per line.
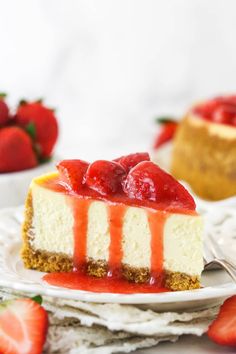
column 3, row 95
column 164, row 120
column 39, row 100
column 22, row 102
column 38, row 299
column 31, row 130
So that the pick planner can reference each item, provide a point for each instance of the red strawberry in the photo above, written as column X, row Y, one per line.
column 44, row 123
column 16, row 152
column 4, row 111
column 23, row 327
column 147, row 181
column 129, row 161
column 223, row 329
column 166, row 133
column 221, row 109
column 72, row 173
column 104, row 176
column 224, row 114
column 206, row 109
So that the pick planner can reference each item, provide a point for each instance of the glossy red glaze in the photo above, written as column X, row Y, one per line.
column 81, row 281
column 129, row 161
column 220, row 110
column 80, row 211
column 174, row 206
column 104, row 176
column 157, row 221
column 115, row 215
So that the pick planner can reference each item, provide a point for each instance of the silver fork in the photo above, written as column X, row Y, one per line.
column 218, row 258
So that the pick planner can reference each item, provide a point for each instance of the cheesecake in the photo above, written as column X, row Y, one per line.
column 204, row 148
column 125, row 218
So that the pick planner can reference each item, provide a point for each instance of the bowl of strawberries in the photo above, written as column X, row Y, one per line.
column 28, row 135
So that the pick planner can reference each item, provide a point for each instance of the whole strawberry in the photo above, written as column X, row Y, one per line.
column 42, row 124
column 167, row 131
column 4, row 110
column 16, row 151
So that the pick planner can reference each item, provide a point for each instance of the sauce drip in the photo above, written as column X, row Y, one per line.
column 113, row 282
column 115, row 216
column 157, row 221
column 80, row 212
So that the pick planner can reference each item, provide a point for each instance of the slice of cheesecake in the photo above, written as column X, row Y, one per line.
column 125, row 218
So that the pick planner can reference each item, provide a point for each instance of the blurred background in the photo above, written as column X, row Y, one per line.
column 109, row 67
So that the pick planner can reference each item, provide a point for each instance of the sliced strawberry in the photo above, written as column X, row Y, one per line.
column 104, row 176
column 223, row 329
column 4, row 111
column 147, row 181
column 129, row 161
column 206, row 109
column 42, row 119
column 23, row 327
column 224, row 114
column 166, row 133
column 72, row 173
column 16, row 151
column 221, row 110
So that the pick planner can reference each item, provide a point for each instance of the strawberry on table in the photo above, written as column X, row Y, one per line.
column 4, row 110
column 167, row 131
column 223, row 329
column 23, row 327
column 16, row 151
column 42, row 124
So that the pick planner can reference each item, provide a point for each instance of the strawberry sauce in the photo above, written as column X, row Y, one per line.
column 115, row 215
column 80, row 211
column 113, row 282
column 156, row 223
column 220, row 110
column 161, row 195
column 115, row 285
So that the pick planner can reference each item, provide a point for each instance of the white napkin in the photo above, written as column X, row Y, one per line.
column 87, row 328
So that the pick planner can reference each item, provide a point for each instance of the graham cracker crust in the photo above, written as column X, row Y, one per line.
column 57, row 262
column 207, row 162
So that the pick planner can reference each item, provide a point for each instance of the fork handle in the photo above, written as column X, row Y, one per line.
column 228, row 266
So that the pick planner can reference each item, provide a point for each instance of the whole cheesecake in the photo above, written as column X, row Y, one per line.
column 125, row 218
column 204, row 148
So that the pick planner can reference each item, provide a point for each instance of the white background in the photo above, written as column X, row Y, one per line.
column 111, row 66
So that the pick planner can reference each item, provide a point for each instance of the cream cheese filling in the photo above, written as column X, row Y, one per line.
column 53, row 232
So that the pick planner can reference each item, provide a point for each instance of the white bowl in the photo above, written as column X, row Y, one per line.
column 14, row 185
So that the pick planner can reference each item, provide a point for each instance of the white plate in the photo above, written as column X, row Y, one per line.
column 13, row 275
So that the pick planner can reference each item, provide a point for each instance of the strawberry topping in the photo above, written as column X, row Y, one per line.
column 129, row 161
column 147, row 181
column 23, row 327
column 72, row 173
column 104, row 176
column 223, row 329
column 220, row 110
column 16, row 151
